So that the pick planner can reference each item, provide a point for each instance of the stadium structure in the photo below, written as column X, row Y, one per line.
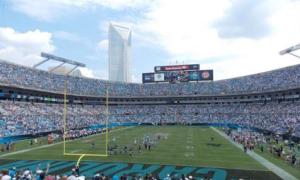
column 178, row 124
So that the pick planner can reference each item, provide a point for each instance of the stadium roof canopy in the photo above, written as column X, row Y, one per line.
column 60, row 59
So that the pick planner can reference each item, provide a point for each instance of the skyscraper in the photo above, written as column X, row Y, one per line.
column 119, row 53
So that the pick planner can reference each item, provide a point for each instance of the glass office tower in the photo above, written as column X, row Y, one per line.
column 119, row 53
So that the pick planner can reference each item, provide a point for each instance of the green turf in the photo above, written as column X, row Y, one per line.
column 25, row 144
column 183, row 146
column 279, row 162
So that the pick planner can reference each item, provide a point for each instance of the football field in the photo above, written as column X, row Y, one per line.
column 182, row 146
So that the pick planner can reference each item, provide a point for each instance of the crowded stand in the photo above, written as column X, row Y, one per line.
column 21, row 76
column 284, row 149
column 23, row 118
column 41, row 174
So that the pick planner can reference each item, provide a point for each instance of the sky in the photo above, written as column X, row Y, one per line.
column 232, row 37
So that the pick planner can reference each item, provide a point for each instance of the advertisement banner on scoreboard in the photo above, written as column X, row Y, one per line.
column 194, row 76
column 178, row 76
column 174, row 76
column 187, row 67
column 206, row 75
column 148, row 77
column 159, row 77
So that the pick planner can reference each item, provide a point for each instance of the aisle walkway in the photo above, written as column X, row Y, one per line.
column 272, row 167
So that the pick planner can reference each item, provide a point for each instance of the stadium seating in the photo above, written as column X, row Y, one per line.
column 21, row 76
column 21, row 118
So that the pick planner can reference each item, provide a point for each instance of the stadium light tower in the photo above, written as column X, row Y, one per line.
column 59, row 59
column 290, row 50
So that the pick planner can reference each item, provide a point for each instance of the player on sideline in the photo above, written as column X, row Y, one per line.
column 93, row 145
column 140, row 148
column 135, row 141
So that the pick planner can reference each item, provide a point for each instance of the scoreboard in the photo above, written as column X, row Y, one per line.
column 178, row 76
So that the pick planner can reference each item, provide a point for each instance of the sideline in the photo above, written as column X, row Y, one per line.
column 49, row 145
column 272, row 167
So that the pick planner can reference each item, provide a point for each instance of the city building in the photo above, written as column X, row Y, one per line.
column 119, row 53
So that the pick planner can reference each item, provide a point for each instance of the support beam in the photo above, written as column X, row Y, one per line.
column 290, row 49
column 42, row 62
column 59, row 59
column 71, row 70
column 68, row 61
column 295, row 55
column 57, row 67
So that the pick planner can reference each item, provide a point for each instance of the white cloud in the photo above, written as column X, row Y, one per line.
column 136, row 78
column 94, row 73
column 52, row 9
column 101, row 74
column 42, row 10
column 24, row 47
column 121, row 4
column 186, row 29
column 86, row 72
column 247, row 18
column 103, row 45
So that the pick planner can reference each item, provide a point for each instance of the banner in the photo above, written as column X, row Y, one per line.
column 159, row 77
column 148, row 77
column 187, row 67
column 206, row 75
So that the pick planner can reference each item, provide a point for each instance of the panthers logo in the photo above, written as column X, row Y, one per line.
column 205, row 75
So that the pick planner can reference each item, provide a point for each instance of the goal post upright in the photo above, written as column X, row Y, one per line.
column 107, row 115
column 65, row 115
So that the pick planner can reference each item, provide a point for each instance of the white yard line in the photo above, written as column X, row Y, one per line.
column 49, row 145
column 272, row 167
